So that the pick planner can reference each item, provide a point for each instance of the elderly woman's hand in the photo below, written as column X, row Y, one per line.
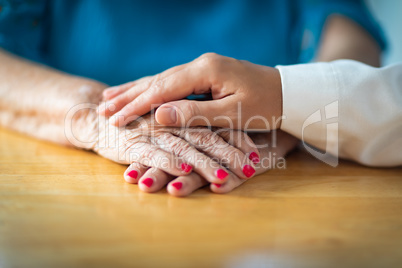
column 215, row 156
column 273, row 148
column 255, row 88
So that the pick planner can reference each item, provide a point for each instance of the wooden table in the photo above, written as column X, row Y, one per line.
column 63, row 207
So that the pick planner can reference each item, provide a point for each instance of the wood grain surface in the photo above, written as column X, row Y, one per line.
column 61, row 207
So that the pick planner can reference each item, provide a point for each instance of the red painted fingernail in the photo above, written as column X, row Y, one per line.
column 133, row 174
column 248, row 171
column 148, row 182
column 254, row 157
column 177, row 185
column 217, row 185
column 186, row 167
column 221, row 174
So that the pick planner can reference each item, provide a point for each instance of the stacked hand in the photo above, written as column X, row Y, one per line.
column 245, row 96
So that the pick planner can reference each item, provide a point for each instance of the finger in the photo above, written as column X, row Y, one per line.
column 185, row 185
column 217, row 149
column 178, row 85
column 129, row 91
column 136, row 88
column 112, row 92
column 206, row 167
column 228, row 186
column 186, row 113
column 154, row 156
column 153, row 180
column 287, row 143
column 242, row 141
column 115, row 104
column 134, row 172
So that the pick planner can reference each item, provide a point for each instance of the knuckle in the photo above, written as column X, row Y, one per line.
column 204, row 138
column 230, row 154
column 235, row 137
column 133, row 139
column 188, row 110
column 148, row 154
column 182, row 149
column 158, row 83
column 227, row 135
column 161, row 138
column 175, row 145
column 209, row 55
column 229, row 157
column 210, row 60
column 174, row 131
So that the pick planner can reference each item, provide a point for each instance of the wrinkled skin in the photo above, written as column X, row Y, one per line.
column 150, row 144
column 157, row 152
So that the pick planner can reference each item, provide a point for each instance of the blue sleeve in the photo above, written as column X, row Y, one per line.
column 313, row 17
column 21, row 27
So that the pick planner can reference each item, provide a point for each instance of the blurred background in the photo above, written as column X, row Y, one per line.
column 389, row 15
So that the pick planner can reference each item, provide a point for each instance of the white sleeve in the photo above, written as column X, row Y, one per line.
column 345, row 108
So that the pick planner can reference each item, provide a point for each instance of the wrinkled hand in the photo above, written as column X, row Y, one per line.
column 153, row 179
column 256, row 88
column 215, row 156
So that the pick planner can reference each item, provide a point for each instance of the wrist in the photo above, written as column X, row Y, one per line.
column 277, row 91
column 272, row 98
column 81, row 122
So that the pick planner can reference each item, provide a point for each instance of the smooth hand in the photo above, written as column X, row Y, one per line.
column 245, row 95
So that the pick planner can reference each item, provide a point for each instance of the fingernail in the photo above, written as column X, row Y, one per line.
column 186, row 167
column 167, row 115
column 148, row 182
column 248, row 171
column 254, row 157
column 133, row 174
column 221, row 174
column 217, row 185
column 177, row 185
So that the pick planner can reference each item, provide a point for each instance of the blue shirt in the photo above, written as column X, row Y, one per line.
column 119, row 41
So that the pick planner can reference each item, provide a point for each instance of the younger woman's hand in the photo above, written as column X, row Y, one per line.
column 245, row 95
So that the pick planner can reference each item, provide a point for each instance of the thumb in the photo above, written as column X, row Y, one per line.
column 186, row 113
